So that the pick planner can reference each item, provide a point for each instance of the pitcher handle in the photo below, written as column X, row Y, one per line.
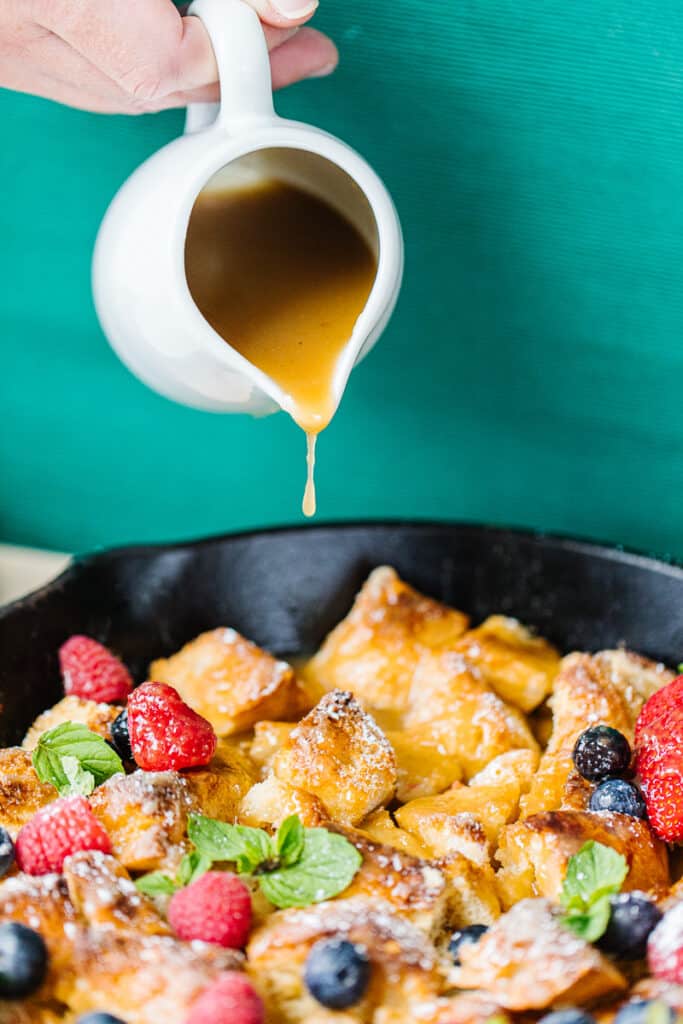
column 243, row 62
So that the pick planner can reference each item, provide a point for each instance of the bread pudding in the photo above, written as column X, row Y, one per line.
column 427, row 821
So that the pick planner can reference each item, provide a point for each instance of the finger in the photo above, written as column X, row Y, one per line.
column 146, row 47
column 309, row 54
column 284, row 12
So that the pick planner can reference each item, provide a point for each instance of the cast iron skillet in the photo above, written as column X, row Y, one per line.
column 286, row 588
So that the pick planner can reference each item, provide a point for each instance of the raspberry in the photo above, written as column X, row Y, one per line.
column 665, row 948
column 216, row 908
column 56, row 831
column 231, row 999
column 659, row 760
column 91, row 671
column 166, row 733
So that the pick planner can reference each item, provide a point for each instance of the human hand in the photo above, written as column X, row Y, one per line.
column 139, row 56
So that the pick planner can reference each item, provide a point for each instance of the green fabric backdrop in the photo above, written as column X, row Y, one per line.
column 532, row 373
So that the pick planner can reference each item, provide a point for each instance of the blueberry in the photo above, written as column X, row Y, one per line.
column 460, row 938
column 619, row 796
column 121, row 737
column 6, row 852
column 23, row 961
column 645, row 1011
column 567, row 1017
column 99, row 1018
column 601, row 753
column 337, row 973
column 633, row 917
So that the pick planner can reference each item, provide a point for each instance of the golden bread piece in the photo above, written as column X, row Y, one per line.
column 608, row 688
column 381, row 827
column 232, row 682
column 415, row 888
column 464, row 1008
column 21, row 791
column 218, row 789
column 268, row 738
column 405, row 967
column 97, row 717
column 472, row 894
column 528, row 960
column 448, row 691
column 339, row 753
column 143, row 979
column 515, row 766
column 519, row 666
column 103, row 894
column 665, row 991
column 268, row 803
column 29, row 1012
column 42, row 903
column 145, row 815
column 426, row 758
column 443, row 822
column 534, row 853
column 374, row 651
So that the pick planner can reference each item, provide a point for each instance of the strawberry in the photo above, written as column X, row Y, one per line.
column 659, row 760
column 165, row 733
column 665, row 947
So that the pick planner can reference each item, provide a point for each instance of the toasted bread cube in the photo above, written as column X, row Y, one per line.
column 472, row 892
column 519, row 666
column 464, row 1008
column 534, row 853
column 42, row 902
column 608, row 688
column 218, row 789
column 339, row 753
column 143, row 979
column 514, row 767
column 268, row 738
column 426, row 758
column 21, row 791
column 381, row 827
column 405, row 968
column 103, row 894
column 97, row 717
column 528, row 960
column 232, row 682
column 373, row 652
column 439, row 820
column 414, row 887
column 268, row 803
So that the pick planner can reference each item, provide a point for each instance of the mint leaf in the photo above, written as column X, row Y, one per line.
column 156, row 884
column 75, row 741
column 591, row 925
column 217, row 840
column 326, row 866
column 80, row 782
column 192, row 866
column 289, row 841
column 595, row 871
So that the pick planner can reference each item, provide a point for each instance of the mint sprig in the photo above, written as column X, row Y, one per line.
column 295, row 868
column 594, row 875
column 74, row 760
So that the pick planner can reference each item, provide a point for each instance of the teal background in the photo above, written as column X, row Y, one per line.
column 532, row 373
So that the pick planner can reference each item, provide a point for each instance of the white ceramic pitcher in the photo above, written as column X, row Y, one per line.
column 140, row 288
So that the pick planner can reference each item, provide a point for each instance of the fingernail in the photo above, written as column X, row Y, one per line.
column 324, row 71
column 294, row 9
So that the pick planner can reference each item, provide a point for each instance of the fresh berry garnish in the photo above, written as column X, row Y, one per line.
column 55, row 832
column 165, row 733
column 601, row 753
column 634, row 916
column 120, row 736
column 619, row 797
column 337, row 973
column 23, row 961
column 99, row 1018
column 216, row 908
column 567, row 1017
column 659, row 760
column 6, row 852
column 460, row 938
column 231, row 999
column 665, row 948
column 646, row 1011
column 91, row 671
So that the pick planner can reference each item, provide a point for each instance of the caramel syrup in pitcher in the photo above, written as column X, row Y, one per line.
column 283, row 277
